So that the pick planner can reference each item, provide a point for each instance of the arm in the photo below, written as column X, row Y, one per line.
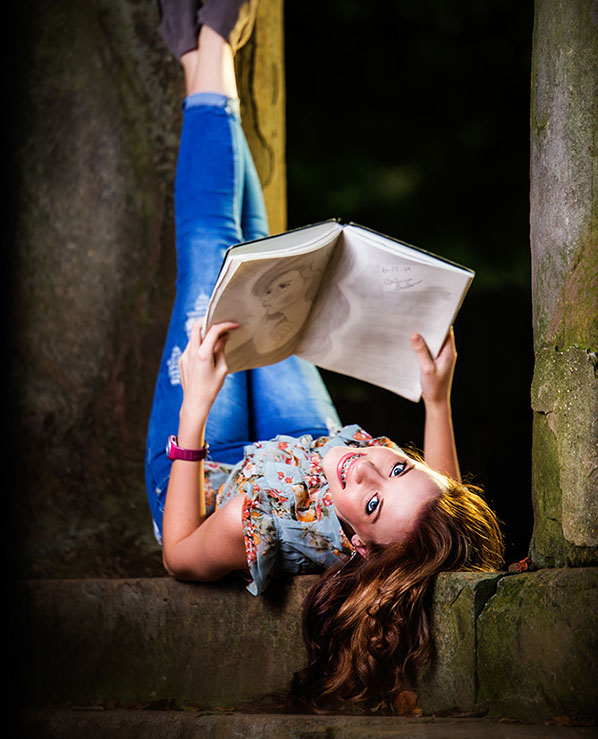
column 440, row 451
column 196, row 548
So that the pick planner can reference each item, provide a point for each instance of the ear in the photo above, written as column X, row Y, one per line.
column 359, row 545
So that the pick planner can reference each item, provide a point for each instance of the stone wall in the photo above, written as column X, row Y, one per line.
column 564, row 240
column 512, row 646
column 97, row 120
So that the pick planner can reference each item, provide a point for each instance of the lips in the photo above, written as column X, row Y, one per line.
column 343, row 466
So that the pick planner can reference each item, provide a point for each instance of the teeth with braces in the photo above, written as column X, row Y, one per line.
column 344, row 467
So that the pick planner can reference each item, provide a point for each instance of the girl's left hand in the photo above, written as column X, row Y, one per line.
column 203, row 367
column 436, row 374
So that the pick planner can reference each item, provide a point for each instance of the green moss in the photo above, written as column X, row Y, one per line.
column 564, row 118
column 548, row 543
column 537, row 640
column 564, row 458
column 449, row 684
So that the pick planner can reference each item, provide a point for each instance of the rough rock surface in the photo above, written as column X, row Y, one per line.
column 537, row 646
column 564, row 240
column 450, row 684
column 515, row 646
column 157, row 642
column 94, row 264
column 179, row 725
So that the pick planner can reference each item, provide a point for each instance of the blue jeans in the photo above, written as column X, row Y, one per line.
column 219, row 202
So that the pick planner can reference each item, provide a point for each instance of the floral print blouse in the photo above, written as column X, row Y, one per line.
column 289, row 521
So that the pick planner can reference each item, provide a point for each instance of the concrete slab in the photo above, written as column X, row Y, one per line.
column 158, row 641
column 146, row 641
column 520, row 646
column 449, row 685
column 184, row 725
column 538, row 646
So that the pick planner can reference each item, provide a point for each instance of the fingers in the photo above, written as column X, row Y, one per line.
column 212, row 345
column 449, row 341
column 221, row 343
column 426, row 361
column 220, row 362
column 448, row 352
column 195, row 338
column 214, row 341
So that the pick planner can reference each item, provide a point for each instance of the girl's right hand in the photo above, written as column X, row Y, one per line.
column 436, row 374
column 203, row 368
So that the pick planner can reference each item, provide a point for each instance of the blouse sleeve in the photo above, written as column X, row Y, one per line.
column 260, row 536
column 259, row 530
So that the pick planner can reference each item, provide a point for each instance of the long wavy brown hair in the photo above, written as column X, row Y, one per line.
column 367, row 623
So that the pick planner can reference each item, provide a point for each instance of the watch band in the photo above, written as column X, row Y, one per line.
column 174, row 451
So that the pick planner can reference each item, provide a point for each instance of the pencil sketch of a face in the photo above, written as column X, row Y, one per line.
column 285, row 293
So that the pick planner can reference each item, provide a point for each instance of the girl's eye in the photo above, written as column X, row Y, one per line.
column 398, row 469
column 372, row 504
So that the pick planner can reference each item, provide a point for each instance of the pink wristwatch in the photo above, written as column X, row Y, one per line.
column 174, row 451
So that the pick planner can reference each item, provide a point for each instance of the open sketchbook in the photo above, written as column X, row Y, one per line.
column 341, row 296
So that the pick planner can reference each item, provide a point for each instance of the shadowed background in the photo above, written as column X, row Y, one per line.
column 413, row 119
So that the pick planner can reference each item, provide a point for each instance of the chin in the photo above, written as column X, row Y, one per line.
column 347, row 528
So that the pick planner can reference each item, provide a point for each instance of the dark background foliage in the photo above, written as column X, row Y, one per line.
column 413, row 119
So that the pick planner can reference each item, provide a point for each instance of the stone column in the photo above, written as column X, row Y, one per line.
column 97, row 119
column 564, row 242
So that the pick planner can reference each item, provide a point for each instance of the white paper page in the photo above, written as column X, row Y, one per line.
column 288, row 241
column 270, row 298
column 361, row 326
column 396, row 247
column 302, row 240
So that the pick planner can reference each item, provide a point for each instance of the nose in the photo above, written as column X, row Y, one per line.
column 364, row 472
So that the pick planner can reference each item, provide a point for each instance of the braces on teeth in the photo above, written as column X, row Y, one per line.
column 344, row 467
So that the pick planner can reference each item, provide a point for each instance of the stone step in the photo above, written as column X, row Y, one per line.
column 519, row 646
column 57, row 724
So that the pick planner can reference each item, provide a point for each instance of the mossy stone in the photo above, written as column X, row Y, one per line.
column 95, row 265
column 449, row 684
column 564, row 241
column 537, row 646
column 565, row 458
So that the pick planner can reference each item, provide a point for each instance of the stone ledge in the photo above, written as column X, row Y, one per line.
column 144, row 641
column 538, row 646
column 125, row 643
column 449, row 685
column 175, row 724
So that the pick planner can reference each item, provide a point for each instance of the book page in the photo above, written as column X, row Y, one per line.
column 299, row 240
column 270, row 297
column 376, row 297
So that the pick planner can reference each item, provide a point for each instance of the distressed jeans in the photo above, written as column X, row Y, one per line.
column 219, row 202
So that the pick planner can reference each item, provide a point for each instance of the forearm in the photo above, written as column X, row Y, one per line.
column 440, row 450
column 182, row 515
column 195, row 547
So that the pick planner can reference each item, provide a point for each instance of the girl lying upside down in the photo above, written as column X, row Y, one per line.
column 287, row 489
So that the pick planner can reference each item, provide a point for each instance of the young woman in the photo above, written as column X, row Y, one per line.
column 286, row 488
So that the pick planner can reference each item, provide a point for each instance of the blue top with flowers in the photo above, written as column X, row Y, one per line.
column 289, row 521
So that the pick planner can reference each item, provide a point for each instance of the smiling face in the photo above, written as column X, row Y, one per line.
column 379, row 492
